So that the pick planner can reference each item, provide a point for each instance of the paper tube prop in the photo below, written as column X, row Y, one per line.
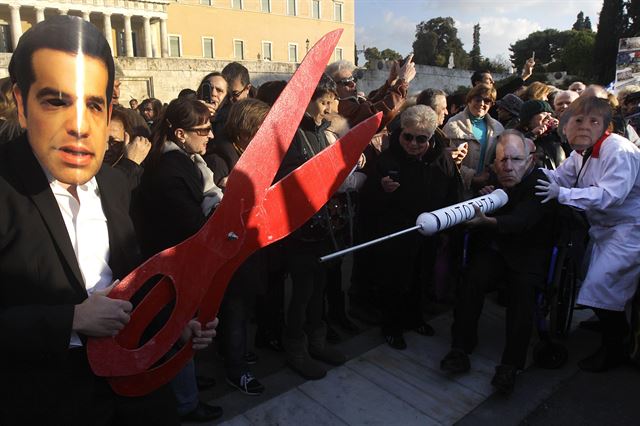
column 253, row 214
column 438, row 220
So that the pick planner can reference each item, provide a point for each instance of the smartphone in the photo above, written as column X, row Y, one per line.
column 394, row 175
column 403, row 61
column 205, row 92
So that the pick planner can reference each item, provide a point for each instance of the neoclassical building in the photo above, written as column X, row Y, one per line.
column 249, row 30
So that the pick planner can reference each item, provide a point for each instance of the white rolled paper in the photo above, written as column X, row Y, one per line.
column 431, row 222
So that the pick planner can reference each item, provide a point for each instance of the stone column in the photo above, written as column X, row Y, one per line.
column 16, row 25
column 86, row 15
column 39, row 14
column 128, row 40
column 63, row 11
column 164, row 40
column 147, row 37
column 107, row 30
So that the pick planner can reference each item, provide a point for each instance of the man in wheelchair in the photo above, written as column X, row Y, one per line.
column 602, row 177
column 511, row 245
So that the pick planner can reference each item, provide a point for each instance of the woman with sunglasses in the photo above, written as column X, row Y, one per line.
column 476, row 129
column 414, row 175
column 174, row 199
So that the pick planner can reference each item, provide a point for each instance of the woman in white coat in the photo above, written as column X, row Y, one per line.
column 602, row 177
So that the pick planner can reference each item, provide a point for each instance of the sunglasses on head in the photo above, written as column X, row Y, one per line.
column 419, row 138
column 200, row 132
column 347, row 81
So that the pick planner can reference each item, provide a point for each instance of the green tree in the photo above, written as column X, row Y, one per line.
column 611, row 27
column 546, row 44
column 633, row 12
column 474, row 55
column 587, row 24
column 373, row 55
column 579, row 24
column 576, row 56
column 435, row 40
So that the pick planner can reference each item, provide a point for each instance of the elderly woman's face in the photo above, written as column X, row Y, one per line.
column 479, row 105
column 584, row 130
column 415, row 140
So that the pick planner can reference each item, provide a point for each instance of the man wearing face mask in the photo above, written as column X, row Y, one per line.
column 602, row 178
column 513, row 244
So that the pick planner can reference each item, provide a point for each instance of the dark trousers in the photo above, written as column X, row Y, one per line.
column 486, row 268
column 66, row 392
column 234, row 315
column 615, row 328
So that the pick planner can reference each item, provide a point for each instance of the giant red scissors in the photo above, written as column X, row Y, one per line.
column 253, row 214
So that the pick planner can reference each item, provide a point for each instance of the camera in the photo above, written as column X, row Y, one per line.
column 205, row 92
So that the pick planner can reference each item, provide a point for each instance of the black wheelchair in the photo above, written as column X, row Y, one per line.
column 555, row 303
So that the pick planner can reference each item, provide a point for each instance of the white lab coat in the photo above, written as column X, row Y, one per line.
column 608, row 190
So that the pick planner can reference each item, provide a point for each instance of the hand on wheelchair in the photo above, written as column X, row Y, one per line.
column 549, row 190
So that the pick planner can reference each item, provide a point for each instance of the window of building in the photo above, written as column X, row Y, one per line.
column 208, row 48
column 292, row 8
column 266, row 51
column 236, row 4
column 175, row 46
column 238, row 49
column 266, row 5
column 315, row 9
column 337, row 11
column 293, row 52
column 205, row 2
column 5, row 39
column 338, row 54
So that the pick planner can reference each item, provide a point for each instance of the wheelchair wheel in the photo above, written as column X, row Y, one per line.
column 564, row 296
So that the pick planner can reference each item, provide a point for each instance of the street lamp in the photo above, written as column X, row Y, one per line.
column 307, row 44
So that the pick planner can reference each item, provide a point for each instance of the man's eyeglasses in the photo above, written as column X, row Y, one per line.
column 236, row 93
column 200, row 132
column 514, row 160
column 420, row 139
column 479, row 99
column 347, row 81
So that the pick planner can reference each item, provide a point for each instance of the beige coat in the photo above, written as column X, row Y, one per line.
column 459, row 130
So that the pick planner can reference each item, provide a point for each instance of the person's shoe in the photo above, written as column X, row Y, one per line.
column 247, row 384
column 299, row 360
column 505, row 378
column 605, row 358
column 396, row 341
column 332, row 335
column 456, row 361
column 251, row 358
column 424, row 329
column 204, row 382
column 203, row 413
column 591, row 325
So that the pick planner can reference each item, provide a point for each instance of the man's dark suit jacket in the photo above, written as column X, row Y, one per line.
column 40, row 282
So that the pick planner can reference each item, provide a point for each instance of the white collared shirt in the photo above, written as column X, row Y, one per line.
column 87, row 228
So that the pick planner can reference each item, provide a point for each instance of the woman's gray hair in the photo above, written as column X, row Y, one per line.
column 419, row 116
column 334, row 68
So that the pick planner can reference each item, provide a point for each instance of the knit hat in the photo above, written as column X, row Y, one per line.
column 531, row 108
column 510, row 103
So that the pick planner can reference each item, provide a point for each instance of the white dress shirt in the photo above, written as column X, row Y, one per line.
column 87, row 228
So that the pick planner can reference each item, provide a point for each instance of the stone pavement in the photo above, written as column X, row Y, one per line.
column 383, row 386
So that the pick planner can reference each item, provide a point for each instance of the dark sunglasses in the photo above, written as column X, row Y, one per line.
column 113, row 141
column 487, row 101
column 419, row 138
column 200, row 132
column 347, row 81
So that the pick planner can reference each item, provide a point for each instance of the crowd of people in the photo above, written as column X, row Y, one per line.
column 71, row 159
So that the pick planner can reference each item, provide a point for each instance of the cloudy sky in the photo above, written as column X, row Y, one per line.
column 392, row 23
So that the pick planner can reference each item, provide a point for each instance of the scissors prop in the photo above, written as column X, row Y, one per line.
column 253, row 214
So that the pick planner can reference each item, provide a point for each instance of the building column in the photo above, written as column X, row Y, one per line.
column 63, row 11
column 147, row 37
column 164, row 40
column 39, row 14
column 86, row 15
column 107, row 30
column 16, row 25
column 128, row 40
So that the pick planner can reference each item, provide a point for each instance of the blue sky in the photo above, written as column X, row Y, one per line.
column 392, row 23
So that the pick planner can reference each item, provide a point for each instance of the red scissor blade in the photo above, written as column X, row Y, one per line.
column 266, row 151
column 290, row 202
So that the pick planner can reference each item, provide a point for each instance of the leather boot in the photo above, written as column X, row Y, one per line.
column 319, row 349
column 299, row 360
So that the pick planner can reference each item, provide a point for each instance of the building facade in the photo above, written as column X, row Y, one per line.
column 242, row 30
